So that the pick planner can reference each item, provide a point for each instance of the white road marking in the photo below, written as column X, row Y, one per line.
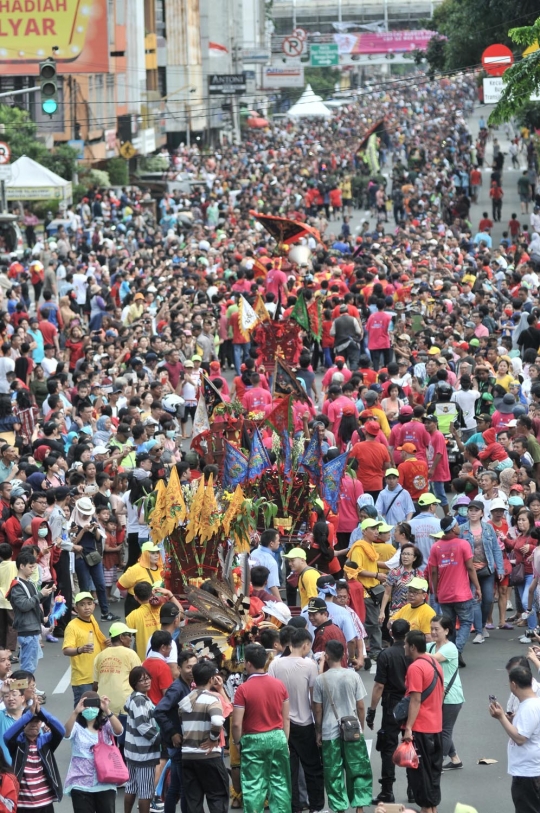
column 64, row 682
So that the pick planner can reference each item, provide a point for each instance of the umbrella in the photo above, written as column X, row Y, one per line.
column 284, row 230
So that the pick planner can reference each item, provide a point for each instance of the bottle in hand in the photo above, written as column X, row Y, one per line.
column 91, row 640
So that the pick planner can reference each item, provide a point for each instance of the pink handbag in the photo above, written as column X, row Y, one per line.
column 110, row 767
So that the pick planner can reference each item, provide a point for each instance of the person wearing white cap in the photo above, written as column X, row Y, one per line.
column 394, row 503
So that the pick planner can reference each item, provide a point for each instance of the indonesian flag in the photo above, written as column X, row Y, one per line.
column 216, row 49
column 248, row 317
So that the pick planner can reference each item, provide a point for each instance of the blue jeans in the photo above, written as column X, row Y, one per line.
column 464, row 611
column 437, row 487
column 524, row 596
column 483, row 608
column 78, row 692
column 327, row 355
column 241, row 353
column 86, row 575
column 29, row 653
column 174, row 790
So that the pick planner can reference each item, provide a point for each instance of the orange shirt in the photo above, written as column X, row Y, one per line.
column 371, row 456
column 413, row 476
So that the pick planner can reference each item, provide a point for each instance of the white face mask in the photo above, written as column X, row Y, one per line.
column 42, row 533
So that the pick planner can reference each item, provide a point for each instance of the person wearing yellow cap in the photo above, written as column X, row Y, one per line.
column 83, row 640
column 147, row 569
column 417, row 611
column 426, row 523
column 394, row 503
column 364, row 554
column 113, row 665
column 306, row 576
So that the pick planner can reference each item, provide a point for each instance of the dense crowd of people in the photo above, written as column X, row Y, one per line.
column 428, row 348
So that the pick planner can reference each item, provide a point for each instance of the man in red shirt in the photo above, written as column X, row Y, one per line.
column 256, row 397
column 157, row 666
column 424, row 721
column 411, row 431
column 260, row 722
column 377, row 329
column 240, row 344
column 373, row 459
column 450, row 566
column 339, row 367
column 485, row 223
column 276, row 283
column 325, row 630
column 439, row 468
column 413, row 473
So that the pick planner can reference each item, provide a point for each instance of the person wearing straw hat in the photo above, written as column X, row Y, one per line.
column 88, row 564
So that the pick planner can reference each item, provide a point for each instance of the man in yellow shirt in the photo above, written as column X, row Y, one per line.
column 364, row 554
column 417, row 612
column 113, row 665
column 145, row 619
column 83, row 640
column 307, row 576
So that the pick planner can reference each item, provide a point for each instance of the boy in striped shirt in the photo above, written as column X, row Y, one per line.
column 203, row 771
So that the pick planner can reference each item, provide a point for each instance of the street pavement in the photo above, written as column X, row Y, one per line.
column 477, row 735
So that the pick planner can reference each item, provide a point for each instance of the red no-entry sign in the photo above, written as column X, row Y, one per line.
column 496, row 59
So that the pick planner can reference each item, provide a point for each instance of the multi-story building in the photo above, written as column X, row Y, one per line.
column 131, row 70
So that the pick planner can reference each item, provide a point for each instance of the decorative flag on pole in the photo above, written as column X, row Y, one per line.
column 333, row 472
column 247, row 318
column 300, row 312
column 260, row 309
column 285, row 381
column 258, row 458
column 311, row 460
column 259, row 269
column 201, row 424
column 315, row 318
column 209, row 519
column 280, row 419
column 286, row 448
column 235, row 466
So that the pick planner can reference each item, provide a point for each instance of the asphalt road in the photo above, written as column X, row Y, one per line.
column 476, row 735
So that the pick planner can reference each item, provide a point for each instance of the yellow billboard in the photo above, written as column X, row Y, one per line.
column 77, row 29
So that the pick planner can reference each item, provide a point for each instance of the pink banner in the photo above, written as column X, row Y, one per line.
column 383, row 43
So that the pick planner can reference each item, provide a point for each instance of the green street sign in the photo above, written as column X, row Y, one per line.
column 323, row 55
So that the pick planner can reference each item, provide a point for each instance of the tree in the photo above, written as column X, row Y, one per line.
column 470, row 26
column 522, row 79
column 20, row 132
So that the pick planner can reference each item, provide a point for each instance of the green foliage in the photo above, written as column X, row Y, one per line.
column 529, row 116
column 118, row 171
column 21, row 135
column 97, row 176
column 62, row 160
column 154, row 163
column 322, row 81
column 472, row 25
column 41, row 207
column 522, row 79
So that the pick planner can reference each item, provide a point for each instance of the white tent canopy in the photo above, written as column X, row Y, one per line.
column 309, row 105
column 32, row 181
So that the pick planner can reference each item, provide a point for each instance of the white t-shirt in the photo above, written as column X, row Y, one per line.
column 173, row 657
column 80, row 283
column 7, row 365
column 466, row 399
column 49, row 366
column 524, row 760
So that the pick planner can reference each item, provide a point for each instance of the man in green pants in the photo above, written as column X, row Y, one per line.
column 338, row 693
column 260, row 725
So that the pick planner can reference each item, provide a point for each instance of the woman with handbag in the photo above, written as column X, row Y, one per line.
column 522, row 575
column 444, row 651
column 487, row 561
column 91, row 722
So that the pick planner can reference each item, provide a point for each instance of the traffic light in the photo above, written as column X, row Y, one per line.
column 48, row 86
